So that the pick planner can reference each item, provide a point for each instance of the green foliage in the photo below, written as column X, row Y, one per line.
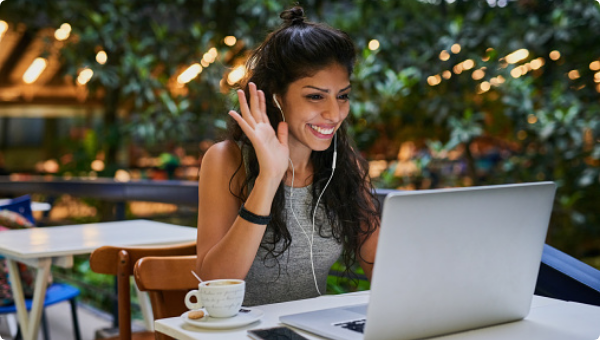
column 338, row 284
column 542, row 125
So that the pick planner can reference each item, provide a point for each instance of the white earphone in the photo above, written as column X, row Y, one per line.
column 311, row 238
column 279, row 107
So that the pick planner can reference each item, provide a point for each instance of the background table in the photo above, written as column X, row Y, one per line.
column 43, row 247
column 549, row 319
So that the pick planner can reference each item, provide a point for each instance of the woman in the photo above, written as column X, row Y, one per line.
column 271, row 209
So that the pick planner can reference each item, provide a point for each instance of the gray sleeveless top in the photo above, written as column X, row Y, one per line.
column 289, row 276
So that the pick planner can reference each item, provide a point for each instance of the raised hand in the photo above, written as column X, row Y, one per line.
column 271, row 148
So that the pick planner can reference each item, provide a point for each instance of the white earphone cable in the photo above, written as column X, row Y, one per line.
column 312, row 236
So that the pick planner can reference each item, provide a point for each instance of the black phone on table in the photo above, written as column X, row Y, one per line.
column 275, row 333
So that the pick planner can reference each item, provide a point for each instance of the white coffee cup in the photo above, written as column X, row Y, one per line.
column 221, row 298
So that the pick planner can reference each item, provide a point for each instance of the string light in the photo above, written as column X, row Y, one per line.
column 524, row 69
column 213, row 52
column 3, row 28
column 190, row 73
column 516, row 72
column 444, row 55
column 97, row 165
column 63, row 32
column 236, row 75
column 230, row 40
column 517, row 56
column 594, row 65
column 51, row 166
column 455, row 48
column 122, row 176
column 554, row 55
column 85, row 76
column 374, row 44
column 573, row 74
column 434, row 80
column 537, row 63
column 35, row 70
column 446, row 74
column 101, row 57
column 484, row 86
column 210, row 56
column 478, row 74
column 457, row 68
column 468, row 64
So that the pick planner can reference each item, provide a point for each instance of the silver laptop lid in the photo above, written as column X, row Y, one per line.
column 457, row 259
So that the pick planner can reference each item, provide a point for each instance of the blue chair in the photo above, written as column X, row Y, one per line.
column 55, row 293
column 564, row 277
column 21, row 205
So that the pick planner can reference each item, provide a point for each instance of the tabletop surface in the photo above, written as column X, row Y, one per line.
column 549, row 319
column 84, row 238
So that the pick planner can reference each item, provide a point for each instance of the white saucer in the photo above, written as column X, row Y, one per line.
column 244, row 317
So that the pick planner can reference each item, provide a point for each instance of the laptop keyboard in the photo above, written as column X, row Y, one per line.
column 356, row 325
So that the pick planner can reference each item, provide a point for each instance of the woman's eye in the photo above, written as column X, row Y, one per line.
column 344, row 96
column 314, row 96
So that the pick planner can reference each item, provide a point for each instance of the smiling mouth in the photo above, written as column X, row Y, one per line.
column 321, row 130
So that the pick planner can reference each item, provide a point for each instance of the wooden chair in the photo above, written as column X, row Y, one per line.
column 119, row 261
column 167, row 280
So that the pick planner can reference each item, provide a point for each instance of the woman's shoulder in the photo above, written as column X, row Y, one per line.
column 222, row 162
column 223, row 152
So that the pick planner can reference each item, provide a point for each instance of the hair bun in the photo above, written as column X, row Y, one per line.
column 293, row 16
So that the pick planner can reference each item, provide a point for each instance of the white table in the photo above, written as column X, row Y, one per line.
column 43, row 247
column 549, row 319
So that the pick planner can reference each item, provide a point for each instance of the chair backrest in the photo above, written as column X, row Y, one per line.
column 167, row 280
column 119, row 261
column 20, row 205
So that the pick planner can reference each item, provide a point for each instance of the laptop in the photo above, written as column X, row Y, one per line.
column 447, row 260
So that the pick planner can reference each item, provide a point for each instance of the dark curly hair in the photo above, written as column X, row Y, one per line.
column 301, row 49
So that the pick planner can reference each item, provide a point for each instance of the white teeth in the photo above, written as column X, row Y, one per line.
column 322, row 130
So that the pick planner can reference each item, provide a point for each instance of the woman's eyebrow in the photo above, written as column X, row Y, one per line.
column 326, row 90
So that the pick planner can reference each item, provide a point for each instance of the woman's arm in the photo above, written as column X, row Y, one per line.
column 367, row 253
column 227, row 244
column 368, row 248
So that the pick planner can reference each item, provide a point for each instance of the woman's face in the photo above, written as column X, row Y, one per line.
column 315, row 107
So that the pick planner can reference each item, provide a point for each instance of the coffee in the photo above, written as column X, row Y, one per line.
column 223, row 283
column 221, row 298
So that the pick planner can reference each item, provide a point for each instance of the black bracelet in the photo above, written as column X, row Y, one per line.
column 253, row 218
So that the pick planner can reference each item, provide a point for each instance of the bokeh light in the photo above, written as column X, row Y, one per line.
column 230, row 40
column 374, row 44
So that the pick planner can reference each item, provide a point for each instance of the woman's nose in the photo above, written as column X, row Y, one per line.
column 333, row 112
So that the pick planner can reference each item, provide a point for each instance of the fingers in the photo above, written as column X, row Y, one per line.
column 248, row 130
column 263, row 105
column 282, row 133
column 254, row 111
column 255, row 102
column 246, row 113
